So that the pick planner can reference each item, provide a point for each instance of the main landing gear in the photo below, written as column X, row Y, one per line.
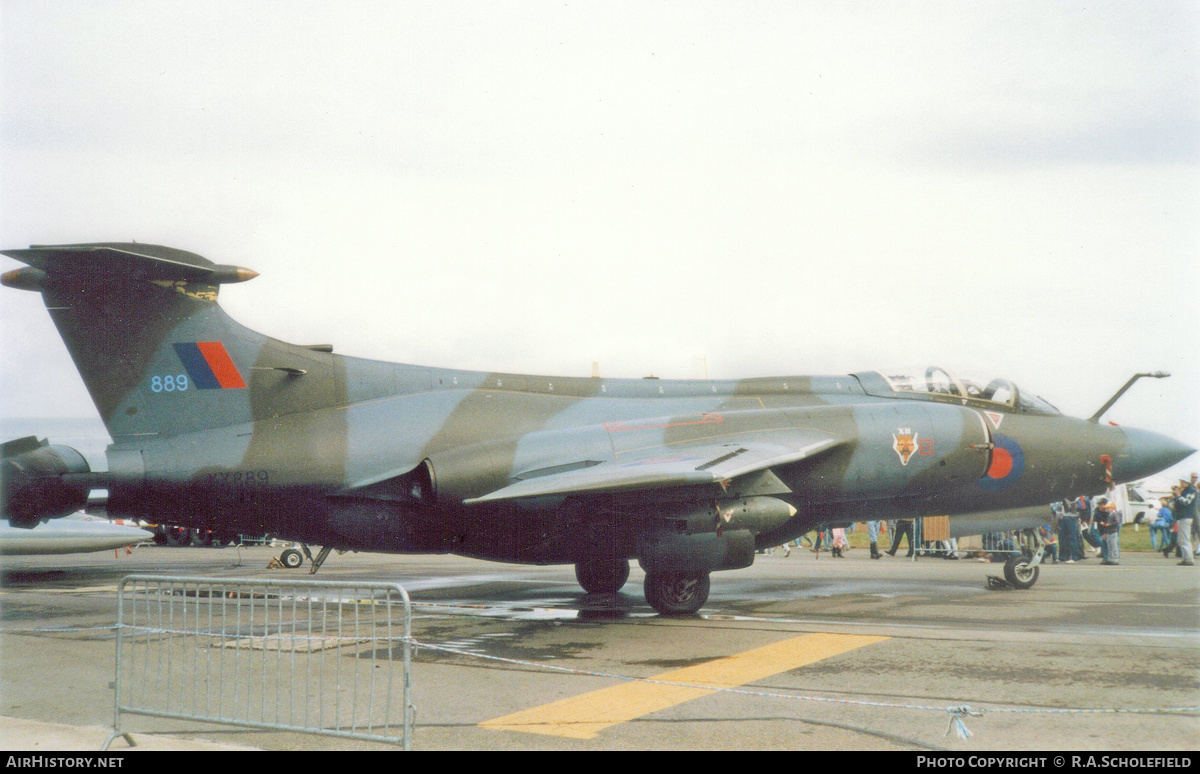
column 676, row 593
column 602, row 576
column 291, row 558
column 669, row 593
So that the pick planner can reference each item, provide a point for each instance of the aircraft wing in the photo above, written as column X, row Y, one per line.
column 69, row 536
column 676, row 466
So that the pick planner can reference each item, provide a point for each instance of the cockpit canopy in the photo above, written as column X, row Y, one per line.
column 937, row 383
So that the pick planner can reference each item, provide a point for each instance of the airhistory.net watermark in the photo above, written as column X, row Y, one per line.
column 62, row 762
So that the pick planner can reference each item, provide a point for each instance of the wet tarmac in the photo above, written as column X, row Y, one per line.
column 846, row 654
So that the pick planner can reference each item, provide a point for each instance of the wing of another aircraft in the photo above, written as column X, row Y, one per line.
column 70, row 535
column 678, row 466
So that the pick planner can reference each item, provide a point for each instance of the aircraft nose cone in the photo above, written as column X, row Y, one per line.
column 1147, row 453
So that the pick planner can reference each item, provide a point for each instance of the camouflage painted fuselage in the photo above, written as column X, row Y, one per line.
column 217, row 427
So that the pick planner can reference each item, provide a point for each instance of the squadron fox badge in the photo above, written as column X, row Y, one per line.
column 904, row 443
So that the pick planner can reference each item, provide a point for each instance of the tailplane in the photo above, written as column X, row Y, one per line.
column 156, row 352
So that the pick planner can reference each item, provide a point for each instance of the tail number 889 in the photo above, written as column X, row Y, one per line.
column 169, row 383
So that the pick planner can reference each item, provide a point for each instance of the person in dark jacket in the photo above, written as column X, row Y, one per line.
column 1108, row 521
column 904, row 528
column 1184, row 508
column 1070, row 544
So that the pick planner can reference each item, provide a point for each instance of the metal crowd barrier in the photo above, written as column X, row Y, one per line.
column 317, row 657
column 936, row 541
column 931, row 537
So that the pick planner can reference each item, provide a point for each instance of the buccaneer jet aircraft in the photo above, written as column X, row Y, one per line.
column 217, row 427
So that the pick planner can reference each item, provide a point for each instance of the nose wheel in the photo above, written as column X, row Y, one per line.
column 1020, row 571
column 291, row 558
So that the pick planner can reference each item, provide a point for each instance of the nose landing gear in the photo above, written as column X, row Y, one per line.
column 1021, row 571
column 291, row 558
column 1022, row 568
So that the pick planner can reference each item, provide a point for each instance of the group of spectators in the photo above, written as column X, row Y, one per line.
column 1176, row 524
column 1098, row 524
column 1079, row 524
column 901, row 529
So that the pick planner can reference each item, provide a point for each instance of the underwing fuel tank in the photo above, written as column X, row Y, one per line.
column 702, row 552
column 694, row 538
column 40, row 481
column 756, row 514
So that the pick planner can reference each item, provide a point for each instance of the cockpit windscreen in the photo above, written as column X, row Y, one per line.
column 936, row 381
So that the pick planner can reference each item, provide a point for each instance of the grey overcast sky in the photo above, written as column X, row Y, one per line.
column 775, row 187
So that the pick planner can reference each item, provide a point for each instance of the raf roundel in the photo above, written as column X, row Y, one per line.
column 1006, row 466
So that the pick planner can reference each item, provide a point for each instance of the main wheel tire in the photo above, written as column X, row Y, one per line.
column 1019, row 573
column 602, row 576
column 291, row 558
column 676, row 593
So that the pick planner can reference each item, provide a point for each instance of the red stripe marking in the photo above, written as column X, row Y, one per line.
column 221, row 364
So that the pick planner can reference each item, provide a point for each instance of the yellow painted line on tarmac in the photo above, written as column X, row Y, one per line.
column 586, row 715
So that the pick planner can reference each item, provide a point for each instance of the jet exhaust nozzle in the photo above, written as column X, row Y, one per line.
column 40, row 481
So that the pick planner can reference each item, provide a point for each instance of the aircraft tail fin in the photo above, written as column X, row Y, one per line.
column 156, row 352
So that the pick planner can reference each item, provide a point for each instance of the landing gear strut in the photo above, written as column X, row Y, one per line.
column 291, row 558
column 676, row 593
column 1021, row 570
